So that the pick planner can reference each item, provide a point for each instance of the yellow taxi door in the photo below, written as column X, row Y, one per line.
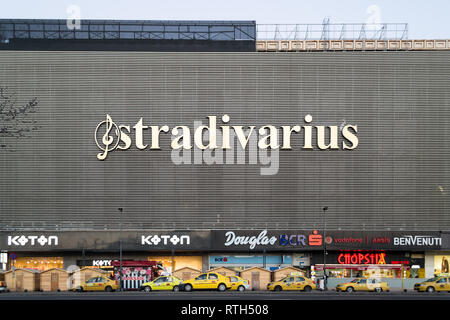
column 201, row 282
column 159, row 283
column 213, row 281
column 233, row 282
column 362, row 285
column 441, row 284
column 168, row 283
column 299, row 283
column 289, row 283
column 100, row 284
column 90, row 284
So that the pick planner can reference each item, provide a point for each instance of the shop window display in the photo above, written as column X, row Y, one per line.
column 39, row 263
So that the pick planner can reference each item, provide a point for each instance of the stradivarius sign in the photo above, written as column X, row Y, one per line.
column 110, row 136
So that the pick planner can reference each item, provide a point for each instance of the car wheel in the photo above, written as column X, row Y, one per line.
column 307, row 289
column 147, row 288
column 188, row 287
column 350, row 289
column 278, row 288
column 241, row 288
column 176, row 288
column 378, row 289
column 222, row 287
column 430, row 289
column 108, row 289
column 80, row 289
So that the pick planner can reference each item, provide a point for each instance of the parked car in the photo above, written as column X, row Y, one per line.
column 363, row 284
column 292, row 283
column 239, row 284
column 162, row 283
column 207, row 281
column 3, row 287
column 433, row 284
column 98, row 284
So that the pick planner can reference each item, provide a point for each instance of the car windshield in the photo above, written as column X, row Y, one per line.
column 91, row 280
column 432, row 279
column 161, row 279
column 202, row 277
column 355, row 281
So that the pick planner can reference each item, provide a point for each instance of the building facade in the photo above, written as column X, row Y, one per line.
column 207, row 159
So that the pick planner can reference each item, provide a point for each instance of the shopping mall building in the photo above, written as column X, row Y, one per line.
column 198, row 145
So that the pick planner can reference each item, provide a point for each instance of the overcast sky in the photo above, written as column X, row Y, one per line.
column 426, row 19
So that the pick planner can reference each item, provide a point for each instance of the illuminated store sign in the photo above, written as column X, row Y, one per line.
column 154, row 240
column 101, row 263
column 251, row 241
column 417, row 241
column 110, row 136
column 24, row 240
column 362, row 258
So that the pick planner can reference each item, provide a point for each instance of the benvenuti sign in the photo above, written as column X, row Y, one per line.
column 110, row 136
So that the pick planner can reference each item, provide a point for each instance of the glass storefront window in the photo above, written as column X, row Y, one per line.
column 179, row 262
column 364, row 271
column 39, row 263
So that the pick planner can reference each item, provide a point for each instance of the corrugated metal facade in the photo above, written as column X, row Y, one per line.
column 397, row 177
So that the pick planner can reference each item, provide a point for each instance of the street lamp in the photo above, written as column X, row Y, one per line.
column 120, row 250
column 324, row 249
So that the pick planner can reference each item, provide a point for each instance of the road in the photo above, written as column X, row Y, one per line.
column 227, row 296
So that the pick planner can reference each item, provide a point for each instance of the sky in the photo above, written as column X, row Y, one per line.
column 426, row 19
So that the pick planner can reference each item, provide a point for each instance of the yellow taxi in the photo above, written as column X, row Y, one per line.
column 433, row 284
column 162, row 283
column 98, row 284
column 209, row 280
column 292, row 283
column 363, row 284
column 239, row 284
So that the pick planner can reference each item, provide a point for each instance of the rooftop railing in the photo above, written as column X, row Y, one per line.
column 332, row 31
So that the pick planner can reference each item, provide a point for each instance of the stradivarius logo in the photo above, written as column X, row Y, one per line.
column 109, row 141
column 221, row 143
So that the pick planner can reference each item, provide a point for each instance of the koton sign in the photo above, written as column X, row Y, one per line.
column 23, row 240
column 155, row 240
column 101, row 263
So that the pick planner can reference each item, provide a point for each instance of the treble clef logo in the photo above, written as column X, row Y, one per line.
column 107, row 141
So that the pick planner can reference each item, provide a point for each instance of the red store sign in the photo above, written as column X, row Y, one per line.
column 362, row 258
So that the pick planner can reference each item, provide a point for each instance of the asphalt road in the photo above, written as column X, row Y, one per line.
column 231, row 296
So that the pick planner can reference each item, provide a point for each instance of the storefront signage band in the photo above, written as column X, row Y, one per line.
column 223, row 240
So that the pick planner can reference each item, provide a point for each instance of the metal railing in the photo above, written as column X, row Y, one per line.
column 332, row 31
